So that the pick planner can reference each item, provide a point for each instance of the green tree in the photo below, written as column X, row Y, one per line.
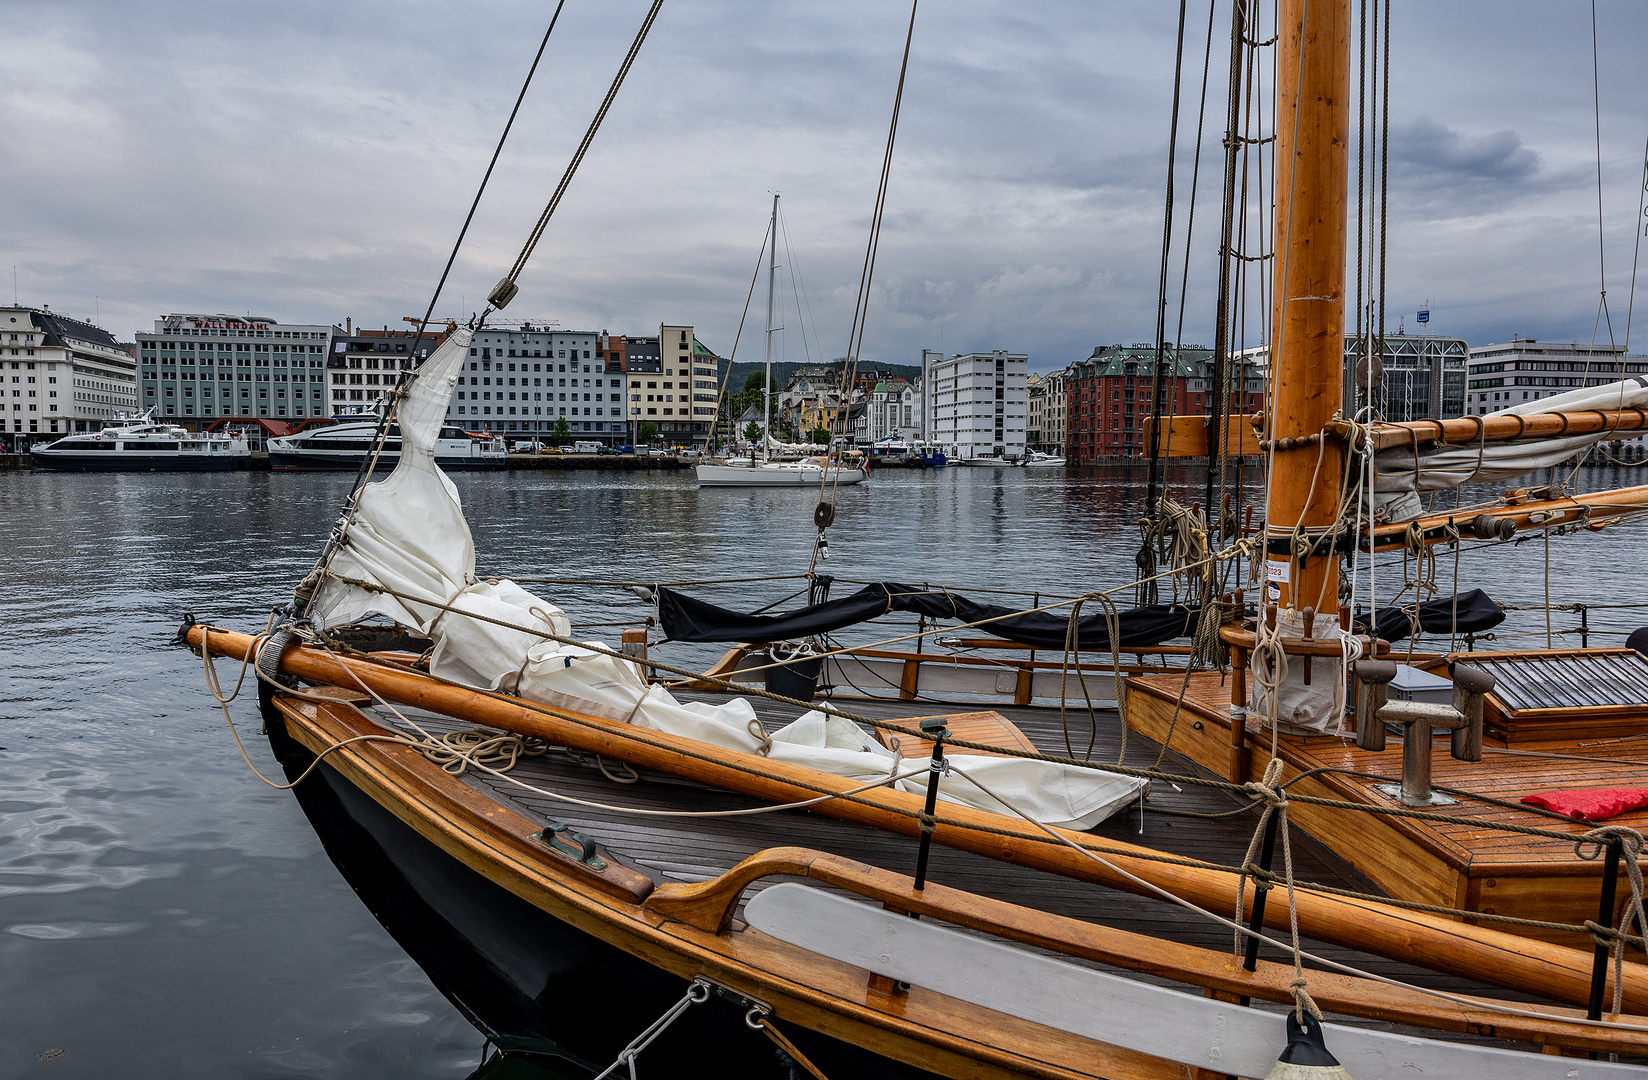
column 752, row 383
column 647, row 433
column 562, row 433
column 752, row 431
column 820, row 435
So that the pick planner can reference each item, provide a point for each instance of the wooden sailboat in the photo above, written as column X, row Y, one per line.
column 778, row 914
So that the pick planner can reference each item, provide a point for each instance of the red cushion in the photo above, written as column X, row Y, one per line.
column 1595, row 804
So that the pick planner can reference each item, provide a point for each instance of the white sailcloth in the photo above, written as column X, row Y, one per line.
column 1402, row 472
column 408, row 533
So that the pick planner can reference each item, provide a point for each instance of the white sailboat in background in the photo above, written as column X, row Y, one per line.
column 762, row 471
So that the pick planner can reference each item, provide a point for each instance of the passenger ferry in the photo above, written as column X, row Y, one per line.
column 344, row 442
column 139, row 444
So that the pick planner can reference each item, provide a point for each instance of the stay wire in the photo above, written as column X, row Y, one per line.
column 583, row 147
column 855, row 331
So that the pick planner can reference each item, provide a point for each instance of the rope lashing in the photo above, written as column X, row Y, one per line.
column 1630, row 852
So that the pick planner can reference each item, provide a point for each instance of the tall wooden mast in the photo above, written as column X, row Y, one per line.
column 1307, row 319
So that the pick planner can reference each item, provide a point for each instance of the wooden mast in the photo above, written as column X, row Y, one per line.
column 1307, row 319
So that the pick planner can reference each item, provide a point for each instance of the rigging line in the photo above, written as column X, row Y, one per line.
column 1159, row 389
column 715, row 420
column 861, row 307
column 578, row 155
column 1636, row 250
column 1602, row 265
column 1190, row 218
column 368, row 464
column 798, row 284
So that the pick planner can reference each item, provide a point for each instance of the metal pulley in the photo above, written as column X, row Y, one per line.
column 1370, row 371
column 824, row 514
column 502, row 293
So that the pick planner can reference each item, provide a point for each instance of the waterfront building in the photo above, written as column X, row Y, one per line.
column 673, row 382
column 200, row 368
column 1500, row 376
column 889, row 408
column 1046, row 409
column 978, row 403
column 361, row 368
column 1424, row 378
column 60, row 375
column 1110, row 396
column 527, row 378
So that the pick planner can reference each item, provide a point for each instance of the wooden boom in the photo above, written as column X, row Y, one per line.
column 1429, row 940
column 1499, row 427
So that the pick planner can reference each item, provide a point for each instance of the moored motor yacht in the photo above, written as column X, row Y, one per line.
column 140, row 444
column 345, row 441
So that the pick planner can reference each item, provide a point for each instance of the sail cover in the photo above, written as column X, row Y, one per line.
column 685, row 618
column 1403, row 472
column 408, row 534
column 1469, row 612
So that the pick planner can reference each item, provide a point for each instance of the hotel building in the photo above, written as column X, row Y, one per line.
column 200, row 368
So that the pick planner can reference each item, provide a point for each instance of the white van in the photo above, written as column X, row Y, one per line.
column 586, row 448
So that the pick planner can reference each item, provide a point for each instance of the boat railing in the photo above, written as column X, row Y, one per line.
column 710, row 906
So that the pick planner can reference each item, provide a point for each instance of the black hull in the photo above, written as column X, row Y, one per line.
column 124, row 462
column 290, row 462
column 527, row 980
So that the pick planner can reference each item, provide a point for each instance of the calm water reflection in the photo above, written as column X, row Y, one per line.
column 163, row 913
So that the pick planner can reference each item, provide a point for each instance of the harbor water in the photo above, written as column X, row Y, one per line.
column 163, row 913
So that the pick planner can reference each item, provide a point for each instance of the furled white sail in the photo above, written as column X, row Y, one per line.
column 408, row 533
column 1403, row 472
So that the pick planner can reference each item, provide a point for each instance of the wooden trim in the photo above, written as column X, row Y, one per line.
column 1501, row 427
column 1445, row 945
column 496, row 842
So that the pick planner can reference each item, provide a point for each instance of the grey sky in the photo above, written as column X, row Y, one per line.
column 312, row 161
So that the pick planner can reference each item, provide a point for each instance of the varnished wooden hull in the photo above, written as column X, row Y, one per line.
column 527, row 979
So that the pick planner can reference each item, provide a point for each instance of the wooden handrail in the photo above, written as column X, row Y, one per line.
column 710, row 906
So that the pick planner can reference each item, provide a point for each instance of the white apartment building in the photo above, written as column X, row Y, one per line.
column 978, row 403
column 526, row 379
column 1500, row 376
column 60, row 374
column 200, row 368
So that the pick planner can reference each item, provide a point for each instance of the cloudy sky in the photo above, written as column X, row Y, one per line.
column 312, row 161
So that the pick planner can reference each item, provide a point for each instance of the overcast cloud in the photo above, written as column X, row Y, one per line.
column 313, row 161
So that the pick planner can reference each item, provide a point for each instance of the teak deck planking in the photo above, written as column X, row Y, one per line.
column 1438, row 862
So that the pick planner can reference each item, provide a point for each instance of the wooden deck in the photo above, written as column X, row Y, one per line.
column 1454, row 863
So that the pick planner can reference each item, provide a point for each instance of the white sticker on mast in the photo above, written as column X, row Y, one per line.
column 1277, row 571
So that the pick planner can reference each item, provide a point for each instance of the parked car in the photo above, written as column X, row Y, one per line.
column 623, row 449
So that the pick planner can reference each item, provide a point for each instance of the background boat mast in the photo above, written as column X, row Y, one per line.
column 766, row 385
column 1308, row 320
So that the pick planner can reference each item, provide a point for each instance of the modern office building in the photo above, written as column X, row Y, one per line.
column 978, row 403
column 60, row 375
column 1523, row 370
column 1424, row 378
column 200, row 368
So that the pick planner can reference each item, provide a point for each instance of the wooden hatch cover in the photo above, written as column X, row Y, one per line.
column 1564, row 693
column 990, row 728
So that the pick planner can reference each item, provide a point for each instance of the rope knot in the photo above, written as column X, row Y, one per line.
column 1302, row 1000
column 759, row 734
column 929, row 823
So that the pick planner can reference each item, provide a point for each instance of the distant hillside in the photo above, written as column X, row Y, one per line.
column 781, row 372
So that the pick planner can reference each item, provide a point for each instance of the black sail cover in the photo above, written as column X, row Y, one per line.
column 1475, row 611
column 687, row 619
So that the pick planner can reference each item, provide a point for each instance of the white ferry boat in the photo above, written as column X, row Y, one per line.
column 139, row 444
column 807, row 472
column 344, row 442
